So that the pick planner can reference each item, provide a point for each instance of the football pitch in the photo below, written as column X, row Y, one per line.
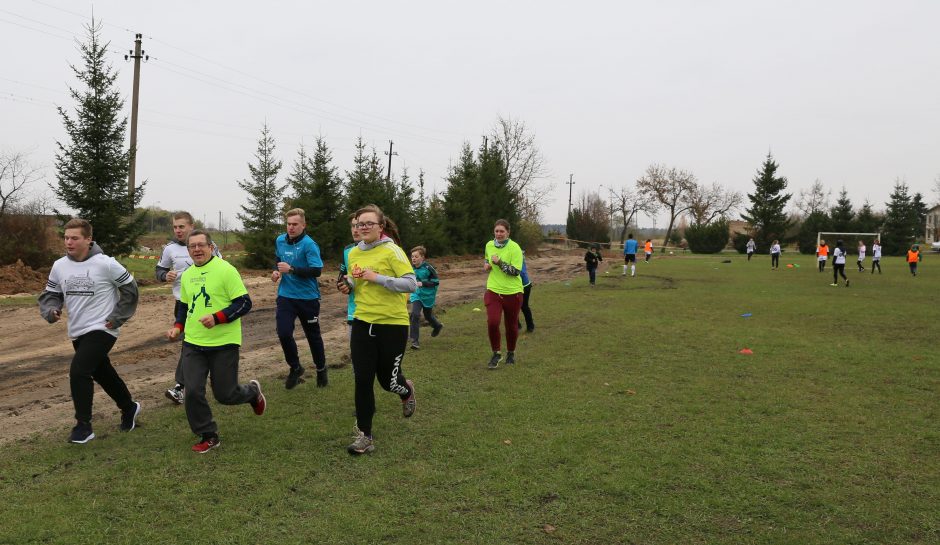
column 631, row 417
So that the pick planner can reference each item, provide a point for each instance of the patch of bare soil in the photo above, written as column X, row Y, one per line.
column 35, row 355
column 19, row 278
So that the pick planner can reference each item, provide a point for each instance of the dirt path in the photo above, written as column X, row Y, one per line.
column 34, row 355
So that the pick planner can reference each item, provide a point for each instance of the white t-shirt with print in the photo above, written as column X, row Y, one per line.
column 90, row 289
column 838, row 256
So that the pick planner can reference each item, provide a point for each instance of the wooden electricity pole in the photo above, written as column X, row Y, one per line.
column 137, row 54
column 388, row 177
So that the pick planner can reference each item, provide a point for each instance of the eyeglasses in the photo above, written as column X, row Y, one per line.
column 198, row 245
column 366, row 225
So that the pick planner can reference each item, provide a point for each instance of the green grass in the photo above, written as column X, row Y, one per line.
column 630, row 418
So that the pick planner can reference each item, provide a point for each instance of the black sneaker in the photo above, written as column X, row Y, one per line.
column 293, row 378
column 510, row 358
column 846, row 283
column 129, row 417
column 494, row 361
column 81, row 433
column 437, row 330
column 322, row 379
column 530, row 329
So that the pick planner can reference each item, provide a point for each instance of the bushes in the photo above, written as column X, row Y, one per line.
column 710, row 238
column 528, row 235
column 28, row 238
column 739, row 241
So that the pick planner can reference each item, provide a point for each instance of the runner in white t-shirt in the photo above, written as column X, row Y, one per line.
column 100, row 295
column 861, row 255
column 876, row 256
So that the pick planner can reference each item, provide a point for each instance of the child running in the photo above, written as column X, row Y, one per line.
column 838, row 264
column 592, row 257
column 775, row 255
column 861, row 255
column 422, row 300
column 382, row 279
column 913, row 257
column 503, row 295
column 343, row 282
column 751, row 247
column 876, row 256
column 648, row 249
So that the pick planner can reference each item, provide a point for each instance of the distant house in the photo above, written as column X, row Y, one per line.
column 739, row 226
column 932, row 231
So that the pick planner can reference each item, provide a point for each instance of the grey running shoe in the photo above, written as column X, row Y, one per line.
column 415, row 345
column 129, row 417
column 361, row 445
column 510, row 358
column 81, row 433
column 293, row 378
column 437, row 330
column 176, row 394
column 494, row 361
column 322, row 379
column 408, row 404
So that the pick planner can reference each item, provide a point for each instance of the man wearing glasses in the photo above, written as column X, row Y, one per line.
column 213, row 299
column 298, row 296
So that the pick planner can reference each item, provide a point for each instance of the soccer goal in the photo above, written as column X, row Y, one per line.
column 846, row 237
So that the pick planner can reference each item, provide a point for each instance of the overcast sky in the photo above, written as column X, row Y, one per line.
column 843, row 91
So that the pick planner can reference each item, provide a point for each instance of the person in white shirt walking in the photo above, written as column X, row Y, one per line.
column 838, row 264
column 861, row 255
column 100, row 295
column 751, row 248
column 876, row 256
column 775, row 255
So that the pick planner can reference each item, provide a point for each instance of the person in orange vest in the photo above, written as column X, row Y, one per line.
column 822, row 254
column 913, row 257
column 648, row 249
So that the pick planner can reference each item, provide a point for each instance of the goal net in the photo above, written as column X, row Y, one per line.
column 849, row 240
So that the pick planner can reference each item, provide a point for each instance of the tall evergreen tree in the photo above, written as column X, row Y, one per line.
column 365, row 183
column 92, row 167
column 318, row 189
column 463, row 203
column 810, row 228
column 766, row 214
column 901, row 225
column 867, row 221
column 429, row 221
column 841, row 216
column 919, row 210
column 262, row 219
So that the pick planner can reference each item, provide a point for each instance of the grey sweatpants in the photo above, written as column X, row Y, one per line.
column 222, row 364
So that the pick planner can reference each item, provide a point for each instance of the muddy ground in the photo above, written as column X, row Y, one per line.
column 34, row 355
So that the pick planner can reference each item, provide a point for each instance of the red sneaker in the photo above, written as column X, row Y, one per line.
column 408, row 404
column 207, row 444
column 259, row 403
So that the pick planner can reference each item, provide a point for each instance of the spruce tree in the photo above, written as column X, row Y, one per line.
column 867, row 221
column 919, row 215
column 365, row 183
column 809, row 230
column 262, row 220
column 92, row 167
column 318, row 189
column 463, row 203
column 899, row 229
column 766, row 214
column 842, row 214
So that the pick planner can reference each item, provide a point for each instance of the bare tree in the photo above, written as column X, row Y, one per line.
column 814, row 199
column 936, row 188
column 669, row 188
column 629, row 203
column 525, row 165
column 16, row 173
column 710, row 203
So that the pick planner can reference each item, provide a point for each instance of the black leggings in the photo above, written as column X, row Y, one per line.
column 91, row 364
column 876, row 263
column 913, row 266
column 377, row 351
column 775, row 260
column 822, row 265
column 838, row 269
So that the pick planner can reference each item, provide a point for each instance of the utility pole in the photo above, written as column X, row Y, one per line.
column 137, row 54
column 570, row 183
column 388, row 177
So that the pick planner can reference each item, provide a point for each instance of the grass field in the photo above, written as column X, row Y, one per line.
column 630, row 418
